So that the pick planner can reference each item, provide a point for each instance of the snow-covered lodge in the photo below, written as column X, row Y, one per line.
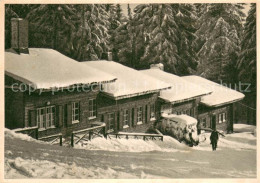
column 57, row 94
column 217, row 109
column 129, row 103
column 207, row 101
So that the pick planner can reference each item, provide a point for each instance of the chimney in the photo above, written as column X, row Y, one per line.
column 19, row 29
column 157, row 66
column 107, row 56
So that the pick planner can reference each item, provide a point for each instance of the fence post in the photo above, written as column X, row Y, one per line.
column 72, row 139
column 89, row 135
column 60, row 140
column 36, row 133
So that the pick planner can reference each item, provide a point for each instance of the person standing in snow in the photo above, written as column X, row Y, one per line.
column 214, row 139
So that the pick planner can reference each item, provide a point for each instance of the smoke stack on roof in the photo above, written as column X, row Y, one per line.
column 19, row 29
column 157, row 66
column 107, row 56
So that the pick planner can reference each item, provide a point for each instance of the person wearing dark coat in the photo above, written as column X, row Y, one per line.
column 214, row 139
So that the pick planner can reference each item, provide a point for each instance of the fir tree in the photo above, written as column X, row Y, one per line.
column 247, row 59
column 91, row 37
column 157, row 25
column 53, row 20
column 220, row 32
column 186, row 18
column 247, row 63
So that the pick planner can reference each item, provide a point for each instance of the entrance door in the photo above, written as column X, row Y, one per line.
column 213, row 122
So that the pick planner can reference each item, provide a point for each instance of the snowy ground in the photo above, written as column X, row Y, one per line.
column 121, row 158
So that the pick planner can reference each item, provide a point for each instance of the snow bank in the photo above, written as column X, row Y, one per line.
column 131, row 145
column 12, row 135
column 224, row 143
column 20, row 168
column 244, row 128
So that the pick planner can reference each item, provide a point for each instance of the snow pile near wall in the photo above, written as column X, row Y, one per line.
column 22, row 168
column 244, row 128
column 13, row 135
column 133, row 145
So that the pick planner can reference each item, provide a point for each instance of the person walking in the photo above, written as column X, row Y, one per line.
column 214, row 139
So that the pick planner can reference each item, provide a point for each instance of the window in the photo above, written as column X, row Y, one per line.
column 188, row 112
column 139, row 115
column 111, row 121
column 204, row 122
column 92, row 108
column 152, row 112
column 45, row 117
column 75, row 112
column 222, row 117
column 126, row 118
column 192, row 112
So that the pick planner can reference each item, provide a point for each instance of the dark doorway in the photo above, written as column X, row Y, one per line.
column 133, row 117
column 213, row 122
column 146, row 114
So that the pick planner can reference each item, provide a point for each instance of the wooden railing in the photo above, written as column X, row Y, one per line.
column 88, row 134
column 144, row 136
column 31, row 131
column 53, row 138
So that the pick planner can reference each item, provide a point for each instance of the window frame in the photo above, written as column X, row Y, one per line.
column 45, row 119
column 152, row 112
column 109, row 120
column 73, row 112
column 126, row 118
column 92, row 108
column 140, row 115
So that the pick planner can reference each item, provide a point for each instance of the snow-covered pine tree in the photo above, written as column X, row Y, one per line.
column 157, row 24
column 115, row 19
column 130, row 41
column 220, row 33
column 53, row 21
column 247, row 63
column 91, row 38
column 186, row 18
column 247, row 59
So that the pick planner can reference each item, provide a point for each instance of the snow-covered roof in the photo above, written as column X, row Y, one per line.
column 183, row 118
column 46, row 68
column 180, row 91
column 221, row 95
column 129, row 83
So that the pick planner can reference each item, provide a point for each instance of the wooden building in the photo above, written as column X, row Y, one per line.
column 209, row 102
column 182, row 98
column 217, row 109
column 129, row 103
column 45, row 88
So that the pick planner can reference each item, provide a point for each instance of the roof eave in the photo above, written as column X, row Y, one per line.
column 184, row 100
column 134, row 94
column 221, row 104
